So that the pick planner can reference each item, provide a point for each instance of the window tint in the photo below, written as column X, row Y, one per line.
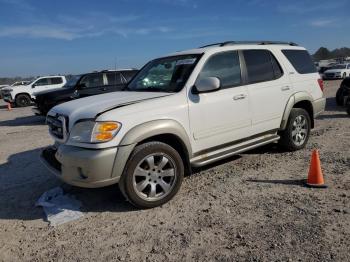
column 128, row 75
column 114, row 78
column 93, row 80
column 349, row 66
column 278, row 72
column 260, row 66
column 42, row 82
column 224, row 66
column 301, row 61
column 56, row 80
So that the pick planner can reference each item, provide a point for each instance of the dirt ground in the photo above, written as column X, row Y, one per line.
column 251, row 207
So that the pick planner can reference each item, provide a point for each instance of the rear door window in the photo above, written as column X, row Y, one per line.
column 56, row 80
column 92, row 80
column 261, row 66
column 128, row 75
column 225, row 66
column 301, row 61
column 114, row 78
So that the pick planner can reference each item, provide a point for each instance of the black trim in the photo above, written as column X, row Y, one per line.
column 251, row 43
column 236, row 142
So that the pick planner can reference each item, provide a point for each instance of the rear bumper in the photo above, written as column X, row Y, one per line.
column 81, row 167
column 319, row 106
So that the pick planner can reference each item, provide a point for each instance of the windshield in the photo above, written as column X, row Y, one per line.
column 167, row 74
column 339, row 67
column 73, row 80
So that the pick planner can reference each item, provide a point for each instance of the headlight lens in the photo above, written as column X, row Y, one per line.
column 94, row 132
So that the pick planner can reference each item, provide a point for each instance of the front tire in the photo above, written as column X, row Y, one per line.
column 152, row 175
column 23, row 100
column 297, row 132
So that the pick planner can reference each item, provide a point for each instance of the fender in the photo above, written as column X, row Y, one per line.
column 154, row 128
column 142, row 132
column 295, row 98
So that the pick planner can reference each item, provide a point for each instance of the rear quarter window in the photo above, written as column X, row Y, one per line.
column 301, row 61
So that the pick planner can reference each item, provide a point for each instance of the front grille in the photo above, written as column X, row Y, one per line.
column 57, row 126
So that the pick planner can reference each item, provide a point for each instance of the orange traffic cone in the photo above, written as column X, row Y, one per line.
column 9, row 108
column 315, row 177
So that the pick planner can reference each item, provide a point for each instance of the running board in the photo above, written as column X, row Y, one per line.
column 223, row 153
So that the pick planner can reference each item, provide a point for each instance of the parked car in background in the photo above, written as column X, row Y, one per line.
column 343, row 92
column 19, row 83
column 82, row 86
column 21, row 95
column 337, row 72
column 190, row 108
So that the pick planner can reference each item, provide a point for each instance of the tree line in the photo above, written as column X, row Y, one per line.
column 323, row 53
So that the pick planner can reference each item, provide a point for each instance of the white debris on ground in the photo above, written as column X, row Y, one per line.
column 59, row 208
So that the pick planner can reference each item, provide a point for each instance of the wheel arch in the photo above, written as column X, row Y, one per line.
column 23, row 93
column 167, row 131
column 299, row 100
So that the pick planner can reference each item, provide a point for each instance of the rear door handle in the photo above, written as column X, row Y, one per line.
column 285, row 88
column 239, row 97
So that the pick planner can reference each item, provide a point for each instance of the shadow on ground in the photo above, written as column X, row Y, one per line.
column 280, row 182
column 23, row 179
column 24, row 121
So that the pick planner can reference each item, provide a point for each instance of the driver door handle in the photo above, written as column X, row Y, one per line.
column 239, row 97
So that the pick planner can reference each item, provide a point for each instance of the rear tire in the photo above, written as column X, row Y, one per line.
column 297, row 132
column 339, row 98
column 152, row 175
column 23, row 100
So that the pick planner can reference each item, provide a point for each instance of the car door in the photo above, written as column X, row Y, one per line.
column 114, row 81
column 55, row 82
column 223, row 116
column 268, row 87
column 91, row 84
column 41, row 84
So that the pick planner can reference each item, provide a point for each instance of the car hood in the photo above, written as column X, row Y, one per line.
column 92, row 106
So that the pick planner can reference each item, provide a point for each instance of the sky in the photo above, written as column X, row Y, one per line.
column 40, row 37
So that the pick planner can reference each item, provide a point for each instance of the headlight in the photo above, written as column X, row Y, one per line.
column 94, row 132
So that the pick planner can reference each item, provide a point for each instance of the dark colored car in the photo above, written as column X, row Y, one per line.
column 80, row 86
column 343, row 92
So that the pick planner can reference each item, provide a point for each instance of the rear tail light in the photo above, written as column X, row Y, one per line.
column 321, row 84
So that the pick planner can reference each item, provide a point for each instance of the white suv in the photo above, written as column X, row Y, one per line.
column 21, row 95
column 187, row 109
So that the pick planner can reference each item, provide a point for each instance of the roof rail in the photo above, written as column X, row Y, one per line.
column 251, row 43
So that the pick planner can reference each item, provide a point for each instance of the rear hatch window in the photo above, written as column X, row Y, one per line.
column 301, row 61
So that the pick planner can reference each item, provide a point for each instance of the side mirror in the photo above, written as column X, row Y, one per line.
column 33, row 85
column 206, row 85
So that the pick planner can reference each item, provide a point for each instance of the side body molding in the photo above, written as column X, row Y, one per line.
column 295, row 98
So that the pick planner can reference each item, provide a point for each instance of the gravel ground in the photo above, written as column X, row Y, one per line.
column 251, row 207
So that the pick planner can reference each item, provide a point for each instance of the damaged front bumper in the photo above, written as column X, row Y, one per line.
column 81, row 167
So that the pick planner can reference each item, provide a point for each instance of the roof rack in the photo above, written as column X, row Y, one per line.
column 251, row 43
